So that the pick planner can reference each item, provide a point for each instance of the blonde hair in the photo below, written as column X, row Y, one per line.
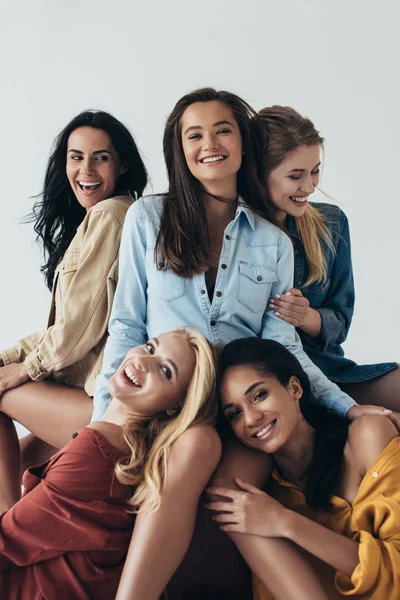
column 151, row 441
column 287, row 130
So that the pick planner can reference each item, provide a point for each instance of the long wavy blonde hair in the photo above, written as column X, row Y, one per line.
column 287, row 130
column 151, row 441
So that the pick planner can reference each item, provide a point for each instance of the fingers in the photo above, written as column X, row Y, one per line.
column 297, row 303
column 219, row 506
column 221, row 491
column 247, row 487
column 225, row 518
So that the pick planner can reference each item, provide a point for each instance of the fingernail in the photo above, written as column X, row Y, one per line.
column 278, row 314
column 387, row 410
column 277, row 295
column 270, row 306
column 288, row 294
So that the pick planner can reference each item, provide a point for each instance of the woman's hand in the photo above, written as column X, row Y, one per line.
column 12, row 376
column 249, row 511
column 359, row 410
column 291, row 307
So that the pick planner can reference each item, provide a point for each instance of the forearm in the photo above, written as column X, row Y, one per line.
column 312, row 323
column 336, row 550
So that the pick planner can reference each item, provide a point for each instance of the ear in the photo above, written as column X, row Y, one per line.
column 294, row 388
column 123, row 169
column 171, row 412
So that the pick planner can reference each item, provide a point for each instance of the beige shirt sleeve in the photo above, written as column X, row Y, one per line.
column 87, row 302
column 18, row 353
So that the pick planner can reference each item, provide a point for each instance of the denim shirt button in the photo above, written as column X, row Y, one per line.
column 259, row 278
column 202, row 291
column 228, row 237
column 219, row 294
column 299, row 282
column 223, row 266
column 213, row 323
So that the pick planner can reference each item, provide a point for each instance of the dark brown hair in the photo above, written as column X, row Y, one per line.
column 183, row 241
column 287, row 130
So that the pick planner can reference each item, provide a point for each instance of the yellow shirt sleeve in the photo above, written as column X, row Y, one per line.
column 375, row 524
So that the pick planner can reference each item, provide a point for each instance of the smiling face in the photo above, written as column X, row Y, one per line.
column 291, row 183
column 153, row 378
column 93, row 165
column 212, row 143
column 262, row 412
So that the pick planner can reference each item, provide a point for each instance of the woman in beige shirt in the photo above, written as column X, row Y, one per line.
column 47, row 379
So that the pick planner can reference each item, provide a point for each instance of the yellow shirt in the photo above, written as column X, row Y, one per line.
column 70, row 350
column 373, row 520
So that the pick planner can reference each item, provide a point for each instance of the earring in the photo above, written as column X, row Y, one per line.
column 171, row 412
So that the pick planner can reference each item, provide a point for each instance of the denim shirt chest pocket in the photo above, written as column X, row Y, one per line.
column 255, row 283
column 164, row 283
column 316, row 293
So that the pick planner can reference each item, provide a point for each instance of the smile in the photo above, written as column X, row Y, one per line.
column 129, row 373
column 89, row 185
column 299, row 200
column 265, row 430
column 212, row 159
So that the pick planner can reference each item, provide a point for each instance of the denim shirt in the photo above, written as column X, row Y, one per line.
column 256, row 262
column 334, row 300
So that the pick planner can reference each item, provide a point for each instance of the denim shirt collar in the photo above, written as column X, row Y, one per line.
column 243, row 208
column 291, row 227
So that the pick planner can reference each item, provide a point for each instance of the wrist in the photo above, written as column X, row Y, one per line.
column 288, row 524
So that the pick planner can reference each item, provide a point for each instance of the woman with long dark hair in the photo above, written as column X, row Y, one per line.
column 69, row 534
column 321, row 302
column 206, row 254
column 334, row 491
column 94, row 174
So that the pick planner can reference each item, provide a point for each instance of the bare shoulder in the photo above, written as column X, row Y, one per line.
column 198, row 441
column 368, row 437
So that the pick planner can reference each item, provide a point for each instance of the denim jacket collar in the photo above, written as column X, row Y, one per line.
column 243, row 208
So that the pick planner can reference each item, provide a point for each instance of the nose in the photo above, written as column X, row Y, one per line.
column 308, row 186
column 210, row 142
column 252, row 416
column 87, row 166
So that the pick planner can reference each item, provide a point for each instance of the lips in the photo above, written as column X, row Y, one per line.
column 265, row 430
column 89, row 188
column 212, row 160
column 300, row 200
column 131, row 374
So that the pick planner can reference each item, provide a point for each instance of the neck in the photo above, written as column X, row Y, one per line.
column 118, row 413
column 280, row 217
column 224, row 188
column 219, row 212
column 295, row 456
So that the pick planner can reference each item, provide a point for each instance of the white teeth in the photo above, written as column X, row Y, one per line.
column 87, row 184
column 265, row 429
column 129, row 373
column 299, row 199
column 212, row 159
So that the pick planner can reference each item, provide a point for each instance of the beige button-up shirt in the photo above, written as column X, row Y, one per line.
column 70, row 350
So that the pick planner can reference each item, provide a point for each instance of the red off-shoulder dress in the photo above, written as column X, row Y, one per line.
column 68, row 536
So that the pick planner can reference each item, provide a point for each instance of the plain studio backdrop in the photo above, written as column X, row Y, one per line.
column 336, row 61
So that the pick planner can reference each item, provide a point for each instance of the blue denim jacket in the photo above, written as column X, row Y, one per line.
column 256, row 262
column 334, row 300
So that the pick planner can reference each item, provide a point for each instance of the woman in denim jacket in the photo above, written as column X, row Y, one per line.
column 47, row 379
column 206, row 256
column 321, row 302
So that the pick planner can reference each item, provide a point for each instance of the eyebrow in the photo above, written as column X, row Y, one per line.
column 214, row 125
column 169, row 360
column 95, row 152
column 302, row 170
column 247, row 392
